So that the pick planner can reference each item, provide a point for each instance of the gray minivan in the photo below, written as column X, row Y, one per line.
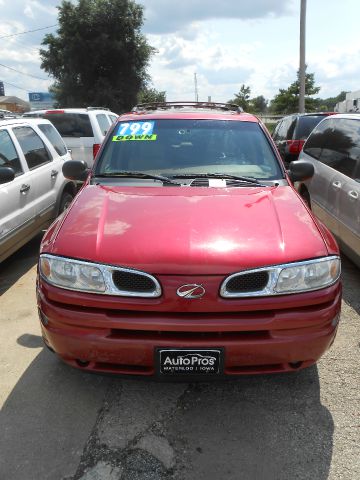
column 333, row 193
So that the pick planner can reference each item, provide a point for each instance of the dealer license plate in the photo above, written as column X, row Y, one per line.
column 173, row 361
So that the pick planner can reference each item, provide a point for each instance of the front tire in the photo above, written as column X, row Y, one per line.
column 65, row 202
column 306, row 197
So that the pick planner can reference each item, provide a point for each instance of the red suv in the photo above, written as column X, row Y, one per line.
column 188, row 253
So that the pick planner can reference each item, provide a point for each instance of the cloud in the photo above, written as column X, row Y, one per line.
column 36, row 7
column 164, row 16
column 28, row 12
column 17, row 58
column 227, row 75
column 336, row 69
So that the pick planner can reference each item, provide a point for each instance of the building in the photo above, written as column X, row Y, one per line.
column 350, row 104
column 14, row 104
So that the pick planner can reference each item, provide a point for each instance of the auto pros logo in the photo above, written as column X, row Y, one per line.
column 190, row 291
column 189, row 362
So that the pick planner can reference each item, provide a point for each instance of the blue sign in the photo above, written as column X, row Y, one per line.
column 41, row 100
column 41, row 97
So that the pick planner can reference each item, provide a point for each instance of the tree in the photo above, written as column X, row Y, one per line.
column 151, row 95
column 287, row 100
column 242, row 97
column 328, row 104
column 99, row 56
column 258, row 104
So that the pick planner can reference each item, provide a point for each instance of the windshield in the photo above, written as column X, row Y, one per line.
column 175, row 147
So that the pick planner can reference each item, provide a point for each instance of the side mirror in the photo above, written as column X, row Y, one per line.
column 300, row 170
column 75, row 170
column 7, row 174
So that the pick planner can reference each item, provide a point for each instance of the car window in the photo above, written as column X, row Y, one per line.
column 54, row 138
column 285, row 128
column 71, row 124
column 356, row 175
column 336, row 142
column 291, row 127
column 306, row 125
column 8, row 154
column 190, row 146
column 35, row 152
column 103, row 122
column 277, row 131
column 113, row 118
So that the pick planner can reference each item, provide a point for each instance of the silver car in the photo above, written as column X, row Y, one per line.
column 33, row 190
column 333, row 193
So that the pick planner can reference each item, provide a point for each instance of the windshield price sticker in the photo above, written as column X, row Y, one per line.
column 135, row 131
column 126, row 138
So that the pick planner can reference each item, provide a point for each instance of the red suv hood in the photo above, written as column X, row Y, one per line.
column 188, row 230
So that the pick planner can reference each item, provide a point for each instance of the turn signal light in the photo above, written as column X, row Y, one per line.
column 295, row 146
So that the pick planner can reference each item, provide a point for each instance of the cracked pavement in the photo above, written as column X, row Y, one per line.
column 58, row 423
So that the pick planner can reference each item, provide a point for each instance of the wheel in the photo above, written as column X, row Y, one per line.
column 306, row 197
column 65, row 201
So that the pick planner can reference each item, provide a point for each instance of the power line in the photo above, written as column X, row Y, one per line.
column 28, row 47
column 28, row 31
column 20, row 88
column 22, row 73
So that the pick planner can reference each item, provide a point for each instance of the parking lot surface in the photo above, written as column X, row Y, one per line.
column 58, row 423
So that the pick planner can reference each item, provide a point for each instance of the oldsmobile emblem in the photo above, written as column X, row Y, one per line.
column 191, row 290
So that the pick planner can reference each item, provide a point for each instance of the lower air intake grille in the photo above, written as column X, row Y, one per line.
column 133, row 282
column 248, row 282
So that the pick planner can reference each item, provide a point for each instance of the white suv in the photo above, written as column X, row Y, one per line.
column 83, row 129
column 33, row 190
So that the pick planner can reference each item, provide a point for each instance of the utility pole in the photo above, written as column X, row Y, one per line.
column 302, row 56
column 196, row 88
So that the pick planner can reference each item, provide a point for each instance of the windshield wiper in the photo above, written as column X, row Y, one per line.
column 250, row 180
column 130, row 174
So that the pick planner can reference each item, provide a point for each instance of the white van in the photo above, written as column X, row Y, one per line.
column 83, row 129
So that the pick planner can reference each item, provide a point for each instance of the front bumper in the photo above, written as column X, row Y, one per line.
column 257, row 335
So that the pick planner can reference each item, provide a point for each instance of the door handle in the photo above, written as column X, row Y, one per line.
column 54, row 173
column 353, row 194
column 24, row 188
column 336, row 184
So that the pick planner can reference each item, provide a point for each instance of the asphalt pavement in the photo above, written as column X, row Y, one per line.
column 58, row 423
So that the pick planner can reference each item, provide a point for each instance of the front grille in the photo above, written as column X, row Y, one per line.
column 166, row 336
column 248, row 282
column 133, row 282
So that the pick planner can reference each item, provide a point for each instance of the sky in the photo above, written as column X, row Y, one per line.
column 226, row 43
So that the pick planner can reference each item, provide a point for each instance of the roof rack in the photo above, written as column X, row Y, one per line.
column 228, row 107
column 97, row 108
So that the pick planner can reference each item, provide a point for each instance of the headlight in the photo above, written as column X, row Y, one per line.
column 98, row 278
column 67, row 273
column 308, row 276
column 283, row 279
